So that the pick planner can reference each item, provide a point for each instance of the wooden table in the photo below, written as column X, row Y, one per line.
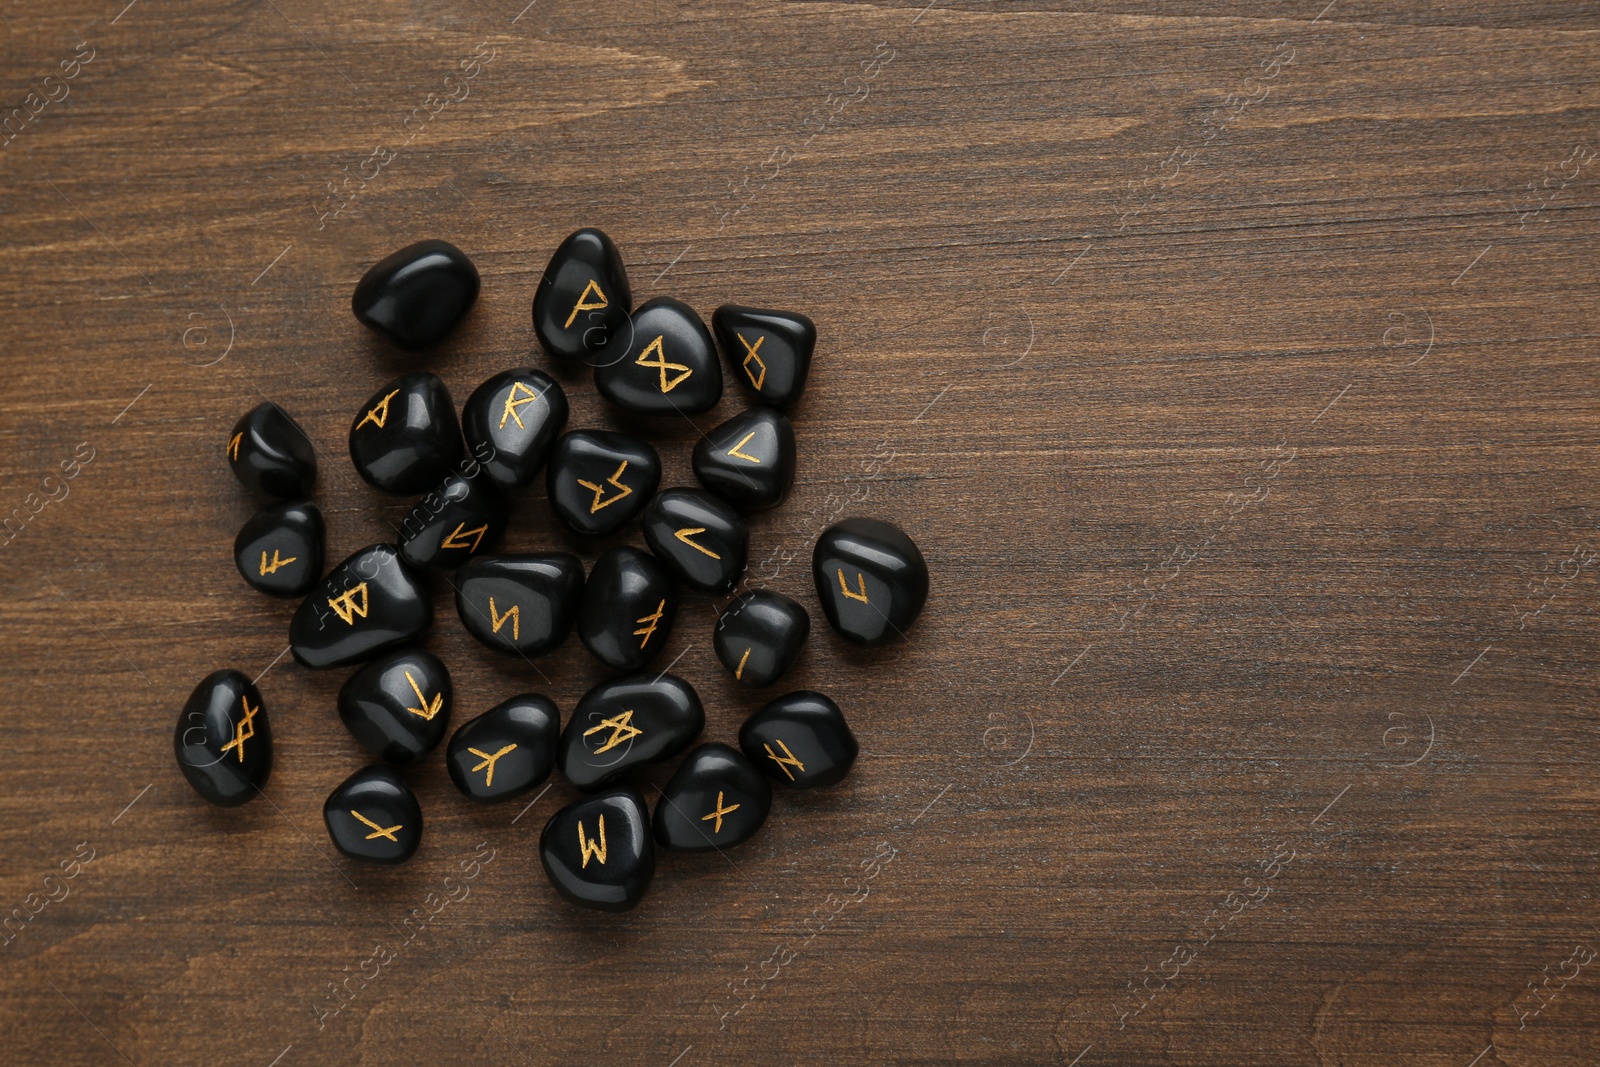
column 1233, row 365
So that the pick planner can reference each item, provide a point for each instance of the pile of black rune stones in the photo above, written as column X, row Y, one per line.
column 657, row 359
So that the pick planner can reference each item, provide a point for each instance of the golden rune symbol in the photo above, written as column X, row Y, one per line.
column 599, row 490
column 487, row 766
column 475, row 534
column 734, row 451
column 621, row 727
column 233, row 445
column 379, row 831
column 785, row 761
column 644, row 632
column 514, row 613
column 662, row 366
column 513, row 403
column 719, row 813
column 272, row 568
column 379, row 413
column 750, row 354
column 244, row 729
column 688, row 532
column 861, row 584
column 346, row 605
column 427, row 711
column 738, row 675
column 595, row 848
column 582, row 305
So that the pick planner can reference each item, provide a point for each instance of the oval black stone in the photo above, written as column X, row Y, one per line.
column 748, row 460
column 417, row 295
column 522, row 604
column 374, row 816
column 269, row 453
column 759, row 636
column 459, row 519
column 597, row 851
column 583, row 300
column 628, row 607
column 627, row 723
column 715, row 800
column 599, row 481
column 670, row 364
column 372, row 601
column 801, row 740
column 769, row 352
column 398, row 706
column 701, row 540
column 223, row 740
column 511, row 422
column 871, row 579
column 507, row 750
column 279, row 549
column 406, row 438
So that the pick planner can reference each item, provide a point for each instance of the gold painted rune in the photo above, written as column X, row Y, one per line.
column 475, row 534
column 379, row 413
column 688, row 532
column 487, row 766
column 514, row 613
column 595, row 848
column 427, row 711
column 592, row 287
column 719, row 813
column 738, row 675
column 750, row 355
column 244, row 729
column 662, row 365
column 272, row 568
column 233, row 445
column 621, row 727
column 734, row 451
column 599, row 490
column 346, row 605
column 785, row 761
column 513, row 403
column 861, row 584
column 379, row 831
column 644, row 632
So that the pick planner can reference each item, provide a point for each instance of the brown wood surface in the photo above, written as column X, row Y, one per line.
column 1234, row 366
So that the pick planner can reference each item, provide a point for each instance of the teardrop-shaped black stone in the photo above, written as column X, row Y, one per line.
column 715, row 800
column 599, row 481
column 670, row 364
column 702, row 541
column 398, row 706
column 871, row 579
column 748, row 460
column 628, row 607
column 769, row 352
column 597, row 851
column 800, row 740
column 627, row 723
column 374, row 816
column 372, row 601
column 523, row 604
column 417, row 295
column 507, row 750
column 223, row 740
column 582, row 303
column 511, row 422
column 759, row 636
column 406, row 438
column 269, row 453
column 279, row 549
column 459, row 519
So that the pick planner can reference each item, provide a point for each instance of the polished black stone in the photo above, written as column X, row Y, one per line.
column 582, row 303
column 522, row 604
column 701, row 540
column 670, row 364
column 418, row 294
column 628, row 607
column 871, row 579
column 627, row 723
column 374, row 816
column 279, row 548
column 748, row 460
column 769, row 352
column 459, row 519
column 716, row 799
column 599, row 481
column 398, row 706
column 269, row 453
column 223, row 740
column 759, row 636
column 405, row 438
column 507, row 750
column 800, row 740
column 511, row 422
column 597, row 851
column 372, row 601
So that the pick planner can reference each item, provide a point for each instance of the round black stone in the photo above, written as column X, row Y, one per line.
column 581, row 306
column 702, row 541
column 416, row 296
column 405, row 438
column 507, row 750
column 372, row 601
column 522, row 604
column 374, row 816
column 223, row 741
column 800, row 740
column 748, row 460
column 629, row 604
column 279, row 549
column 398, row 706
column 269, row 453
column 669, row 366
column 511, row 422
column 759, row 636
column 599, row 481
column 459, row 519
column 715, row 800
column 627, row 723
column 768, row 352
column 871, row 579
column 597, row 851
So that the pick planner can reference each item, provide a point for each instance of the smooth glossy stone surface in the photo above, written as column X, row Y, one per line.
column 769, row 352
column 716, row 799
column 800, row 740
column 511, row 422
column 748, row 460
column 279, row 549
column 418, row 294
column 669, row 366
column 459, row 519
column 583, row 300
column 406, row 438
column 269, row 453
column 597, row 852
column 223, row 741
column 628, row 607
column 372, row 601
column 599, row 481
column 627, row 723
column 760, row 635
column 701, row 540
column 522, row 604
column 398, row 706
column 871, row 579
column 374, row 816
column 507, row 750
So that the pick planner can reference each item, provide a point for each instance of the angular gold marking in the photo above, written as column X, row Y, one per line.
column 379, row 413
column 861, row 584
column 272, row 568
column 346, row 605
column 427, row 711
column 662, row 365
column 786, row 761
column 599, row 490
column 646, row 632
column 513, row 403
column 689, row 531
column 734, row 451
column 750, row 354
column 379, row 831
column 738, row 675
column 233, row 445
column 487, row 766
column 244, row 729
column 719, row 813
column 514, row 613
column 592, row 287
column 451, row 542
column 595, row 848
column 621, row 727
